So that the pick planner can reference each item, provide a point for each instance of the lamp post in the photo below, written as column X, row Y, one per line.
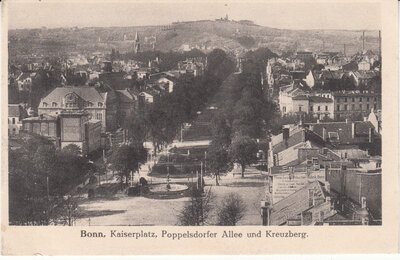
column 168, row 185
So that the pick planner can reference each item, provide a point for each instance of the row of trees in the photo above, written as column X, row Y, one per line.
column 161, row 121
column 243, row 117
column 39, row 178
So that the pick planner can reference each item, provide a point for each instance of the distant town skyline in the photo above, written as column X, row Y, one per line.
column 297, row 16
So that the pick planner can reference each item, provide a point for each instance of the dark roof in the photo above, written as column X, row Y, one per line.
column 42, row 117
column 13, row 110
column 320, row 99
column 331, row 75
column 355, row 94
column 300, row 97
column 86, row 93
column 315, row 99
column 344, row 131
column 115, row 80
column 125, row 96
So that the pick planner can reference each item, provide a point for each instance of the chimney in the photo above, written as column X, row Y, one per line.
column 363, row 202
column 285, row 135
column 324, row 134
column 328, row 189
column 321, row 216
column 353, row 130
column 370, row 134
column 344, row 49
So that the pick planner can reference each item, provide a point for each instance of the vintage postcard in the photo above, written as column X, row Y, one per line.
column 199, row 127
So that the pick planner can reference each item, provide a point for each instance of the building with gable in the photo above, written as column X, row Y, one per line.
column 101, row 106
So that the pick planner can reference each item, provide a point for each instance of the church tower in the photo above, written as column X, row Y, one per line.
column 136, row 43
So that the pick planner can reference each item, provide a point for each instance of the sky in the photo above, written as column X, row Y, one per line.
column 52, row 14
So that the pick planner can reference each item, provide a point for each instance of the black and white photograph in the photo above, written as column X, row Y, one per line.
column 194, row 114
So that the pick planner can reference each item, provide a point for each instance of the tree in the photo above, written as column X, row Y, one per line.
column 218, row 160
column 243, row 151
column 126, row 158
column 72, row 149
column 196, row 211
column 231, row 210
column 39, row 177
column 136, row 126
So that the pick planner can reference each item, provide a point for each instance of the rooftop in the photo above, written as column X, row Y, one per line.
column 13, row 110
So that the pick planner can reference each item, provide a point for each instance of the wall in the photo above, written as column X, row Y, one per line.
column 93, row 136
column 323, row 112
column 368, row 101
column 355, row 185
column 283, row 185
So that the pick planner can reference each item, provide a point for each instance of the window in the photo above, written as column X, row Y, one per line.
column 360, row 106
column 299, row 108
column 352, row 99
column 367, row 106
column 319, row 108
column 54, row 104
column 360, row 99
column 284, row 109
column 99, row 116
column 378, row 164
column 13, row 120
column 333, row 136
column 367, row 99
column 44, row 104
column 374, row 98
column 338, row 107
column 352, row 106
column 310, row 198
column 374, row 106
column 326, row 108
column 315, row 161
column 99, row 104
column 345, row 107
column 311, row 108
column 345, row 99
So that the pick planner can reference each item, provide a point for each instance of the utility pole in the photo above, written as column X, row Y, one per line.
column 205, row 162
column 47, row 186
column 131, row 178
column 181, row 133
column 168, row 186
column 201, row 175
column 363, row 41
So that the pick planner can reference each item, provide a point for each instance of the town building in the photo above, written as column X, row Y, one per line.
column 349, row 135
column 14, row 119
column 100, row 105
column 307, row 206
column 43, row 125
column 349, row 103
column 365, row 78
column 68, row 127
